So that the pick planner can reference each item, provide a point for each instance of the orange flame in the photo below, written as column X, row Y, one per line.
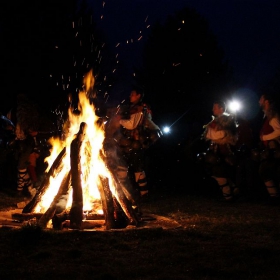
column 92, row 164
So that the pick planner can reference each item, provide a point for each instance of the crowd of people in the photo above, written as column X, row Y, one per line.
column 237, row 161
column 232, row 157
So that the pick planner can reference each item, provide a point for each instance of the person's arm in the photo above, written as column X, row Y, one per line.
column 274, row 122
column 132, row 122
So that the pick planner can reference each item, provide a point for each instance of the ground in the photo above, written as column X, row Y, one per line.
column 215, row 240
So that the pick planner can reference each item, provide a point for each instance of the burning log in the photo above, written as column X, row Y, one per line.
column 64, row 187
column 124, row 197
column 114, row 162
column 125, row 204
column 76, row 211
column 43, row 187
column 61, row 214
column 107, row 203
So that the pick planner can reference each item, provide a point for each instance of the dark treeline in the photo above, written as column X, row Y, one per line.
column 182, row 59
column 48, row 46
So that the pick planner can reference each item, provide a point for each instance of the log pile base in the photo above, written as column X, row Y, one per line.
column 148, row 221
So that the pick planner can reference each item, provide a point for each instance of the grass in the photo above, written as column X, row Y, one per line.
column 216, row 240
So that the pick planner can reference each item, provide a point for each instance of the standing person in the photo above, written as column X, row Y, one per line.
column 134, row 134
column 25, row 116
column 221, row 134
column 270, row 144
column 134, row 128
column 33, row 157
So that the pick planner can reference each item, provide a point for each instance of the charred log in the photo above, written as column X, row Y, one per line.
column 107, row 203
column 89, row 224
column 61, row 213
column 115, row 163
column 26, row 216
column 124, row 203
column 57, row 164
column 64, row 187
column 76, row 211
column 124, row 195
column 121, row 220
column 58, row 220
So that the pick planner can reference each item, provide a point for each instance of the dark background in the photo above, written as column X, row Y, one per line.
column 246, row 30
column 224, row 49
column 33, row 36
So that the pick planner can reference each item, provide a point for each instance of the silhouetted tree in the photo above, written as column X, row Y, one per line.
column 183, row 64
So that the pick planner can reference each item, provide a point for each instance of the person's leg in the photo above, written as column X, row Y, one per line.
column 221, row 174
column 141, row 180
column 137, row 163
column 267, row 171
column 24, row 183
column 32, row 167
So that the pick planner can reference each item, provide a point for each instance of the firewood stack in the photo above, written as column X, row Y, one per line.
column 117, row 207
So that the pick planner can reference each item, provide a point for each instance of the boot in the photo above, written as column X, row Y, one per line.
column 23, row 183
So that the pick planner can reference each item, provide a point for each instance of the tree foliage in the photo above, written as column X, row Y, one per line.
column 182, row 63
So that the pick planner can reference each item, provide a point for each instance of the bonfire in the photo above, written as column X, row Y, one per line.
column 78, row 182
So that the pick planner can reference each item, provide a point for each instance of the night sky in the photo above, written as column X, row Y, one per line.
column 247, row 30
